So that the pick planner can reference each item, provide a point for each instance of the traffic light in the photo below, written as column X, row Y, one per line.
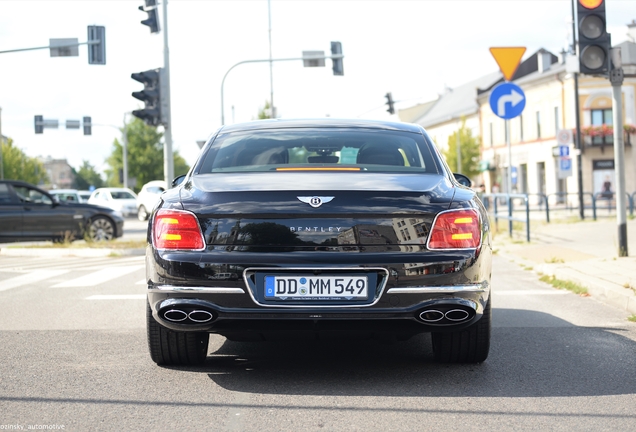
column 336, row 50
column 88, row 125
column 153, row 19
column 594, row 41
column 38, row 120
column 150, row 95
column 97, row 51
column 389, row 103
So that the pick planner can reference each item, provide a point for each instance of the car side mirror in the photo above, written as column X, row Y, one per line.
column 462, row 180
column 178, row 180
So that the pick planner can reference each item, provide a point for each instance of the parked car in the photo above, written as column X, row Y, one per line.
column 72, row 195
column 84, row 195
column 148, row 197
column 332, row 226
column 28, row 213
column 122, row 200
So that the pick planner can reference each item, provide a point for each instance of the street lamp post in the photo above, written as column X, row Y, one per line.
column 321, row 57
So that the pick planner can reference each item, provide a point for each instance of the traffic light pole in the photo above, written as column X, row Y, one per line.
column 577, row 117
column 339, row 56
column 168, row 158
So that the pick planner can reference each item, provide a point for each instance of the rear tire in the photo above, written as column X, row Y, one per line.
column 470, row 345
column 142, row 213
column 171, row 348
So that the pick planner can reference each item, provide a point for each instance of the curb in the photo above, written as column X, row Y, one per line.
column 57, row 252
column 602, row 289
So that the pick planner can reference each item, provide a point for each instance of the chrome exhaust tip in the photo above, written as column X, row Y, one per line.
column 200, row 316
column 175, row 315
column 431, row 315
column 457, row 315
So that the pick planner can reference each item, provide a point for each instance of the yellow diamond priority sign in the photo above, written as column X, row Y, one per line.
column 508, row 59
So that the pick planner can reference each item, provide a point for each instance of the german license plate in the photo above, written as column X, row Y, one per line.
column 316, row 287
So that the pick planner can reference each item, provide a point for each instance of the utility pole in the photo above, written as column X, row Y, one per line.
column 168, row 160
column 1, row 160
column 271, row 72
column 616, row 79
column 459, row 152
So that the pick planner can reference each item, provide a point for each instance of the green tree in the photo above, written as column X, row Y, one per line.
column 145, row 156
column 470, row 151
column 18, row 166
column 265, row 112
column 87, row 176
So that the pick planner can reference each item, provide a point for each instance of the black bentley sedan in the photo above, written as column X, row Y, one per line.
column 28, row 213
column 315, row 227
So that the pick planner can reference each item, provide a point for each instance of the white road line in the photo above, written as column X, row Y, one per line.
column 141, row 282
column 118, row 297
column 29, row 278
column 98, row 277
column 529, row 292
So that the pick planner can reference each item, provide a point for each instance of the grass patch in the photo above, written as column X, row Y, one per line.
column 565, row 285
column 632, row 318
column 554, row 260
column 529, row 268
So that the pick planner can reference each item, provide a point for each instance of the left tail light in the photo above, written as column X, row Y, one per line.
column 176, row 230
column 455, row 229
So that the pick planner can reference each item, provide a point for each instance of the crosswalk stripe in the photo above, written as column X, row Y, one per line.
column 29, row 278
column 98, row 277
column 117, row 297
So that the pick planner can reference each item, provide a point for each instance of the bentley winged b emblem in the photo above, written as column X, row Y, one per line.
column 315, row 201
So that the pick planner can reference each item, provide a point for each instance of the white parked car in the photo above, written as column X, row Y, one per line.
column 123, row 200
column 69, row 195
column 149, row 197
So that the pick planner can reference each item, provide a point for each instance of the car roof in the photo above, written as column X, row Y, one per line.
column 155, row 183
column 321, row 123
column 53, row 191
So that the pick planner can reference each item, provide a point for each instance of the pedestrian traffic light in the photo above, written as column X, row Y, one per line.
column 389, row 103
column 150, row 95
column 594, row 41
column 153, row 20
column 336, row 50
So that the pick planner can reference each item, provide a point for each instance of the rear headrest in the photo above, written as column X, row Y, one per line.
column 380, row 154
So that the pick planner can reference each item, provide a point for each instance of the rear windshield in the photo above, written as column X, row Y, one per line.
column 121, row 195
column 319, row 150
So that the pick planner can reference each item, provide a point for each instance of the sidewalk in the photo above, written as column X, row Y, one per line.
column 585, row 252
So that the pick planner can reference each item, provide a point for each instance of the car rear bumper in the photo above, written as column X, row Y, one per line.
column 185, row 296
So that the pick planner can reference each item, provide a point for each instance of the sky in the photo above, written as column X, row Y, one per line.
column 413, row 49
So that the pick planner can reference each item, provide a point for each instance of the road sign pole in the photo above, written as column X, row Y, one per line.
column 509, row 176
column 616, row 78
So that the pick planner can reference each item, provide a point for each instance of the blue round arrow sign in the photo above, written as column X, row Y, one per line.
column 507, row 100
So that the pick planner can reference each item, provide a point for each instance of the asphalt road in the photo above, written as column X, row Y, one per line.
column 74, row 355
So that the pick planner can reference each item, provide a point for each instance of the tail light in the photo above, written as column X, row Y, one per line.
column 176, row 229
column 455, row 229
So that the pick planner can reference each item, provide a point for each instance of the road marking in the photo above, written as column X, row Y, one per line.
column 29, row 278
column 529, row 292
column 141, row 282
column 98, row 277
column 118, row 297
